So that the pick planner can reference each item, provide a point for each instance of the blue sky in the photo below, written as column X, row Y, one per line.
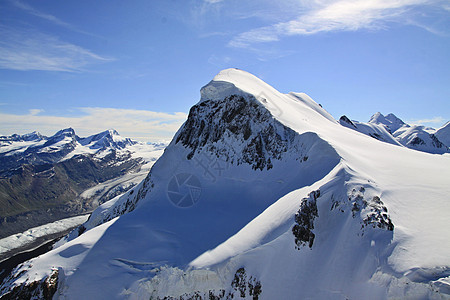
column 137, row 66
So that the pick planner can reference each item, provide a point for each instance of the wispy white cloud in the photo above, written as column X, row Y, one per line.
column 25, row 50
column 335, row 15
column 33, row 11
column 138, row 124
column 35, row 111
column 48, row 17
column 435, row 121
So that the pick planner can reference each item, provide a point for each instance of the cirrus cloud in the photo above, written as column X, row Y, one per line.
column 26, row 49
column 337, row 15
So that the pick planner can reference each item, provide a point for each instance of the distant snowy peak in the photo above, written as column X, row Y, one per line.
column 390, row 121
column 107, row 139
column 417, row 137
column 34, row 148
column 28, row 137
column 65, row 137
column 393, row 130
column 374, row 130
column 443, row 134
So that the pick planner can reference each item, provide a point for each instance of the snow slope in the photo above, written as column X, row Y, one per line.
column 443, row 134
column 264, row 195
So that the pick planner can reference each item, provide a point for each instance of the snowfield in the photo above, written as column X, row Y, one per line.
column 262, row 195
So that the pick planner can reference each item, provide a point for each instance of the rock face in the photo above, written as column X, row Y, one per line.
column 237, row 129
column 42, row 289
column 304, row 220
column 345, row 120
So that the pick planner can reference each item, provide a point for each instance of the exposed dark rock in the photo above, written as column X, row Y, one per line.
column 436, row 142
column 304, row 220
column 43, row 289
column 376, row 136
column 372, row 211
column 344, row 119
column 245, row 286
column 239, row 282
column 378, row 217
column 417, row 141
column 129, row 204
column 212, row 125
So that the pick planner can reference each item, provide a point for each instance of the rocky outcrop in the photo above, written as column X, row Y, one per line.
column 304, row 220
column 41, row 289
column 238, row 129
column 370, row 209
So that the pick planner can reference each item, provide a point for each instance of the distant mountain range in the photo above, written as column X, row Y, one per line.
column 44, row 179
column 391, row 129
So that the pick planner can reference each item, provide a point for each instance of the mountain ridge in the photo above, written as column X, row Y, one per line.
column 43, row 179
column 393, row 130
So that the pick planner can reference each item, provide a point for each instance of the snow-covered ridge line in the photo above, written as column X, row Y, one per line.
column 35, row 148
column 393, row 130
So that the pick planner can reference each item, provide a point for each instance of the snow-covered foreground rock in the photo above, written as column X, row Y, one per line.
column 261, row 195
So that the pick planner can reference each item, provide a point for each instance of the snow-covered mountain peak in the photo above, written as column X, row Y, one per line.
column 34, row 148
column 33, row 136
column 233, row 81
column 390, row 121
column 377, row 118
column 66, row 132
column 246, row 85
column 393, row 118
column 393, row 130
column 28, row 137
column 107, row 139
column 65, row 137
